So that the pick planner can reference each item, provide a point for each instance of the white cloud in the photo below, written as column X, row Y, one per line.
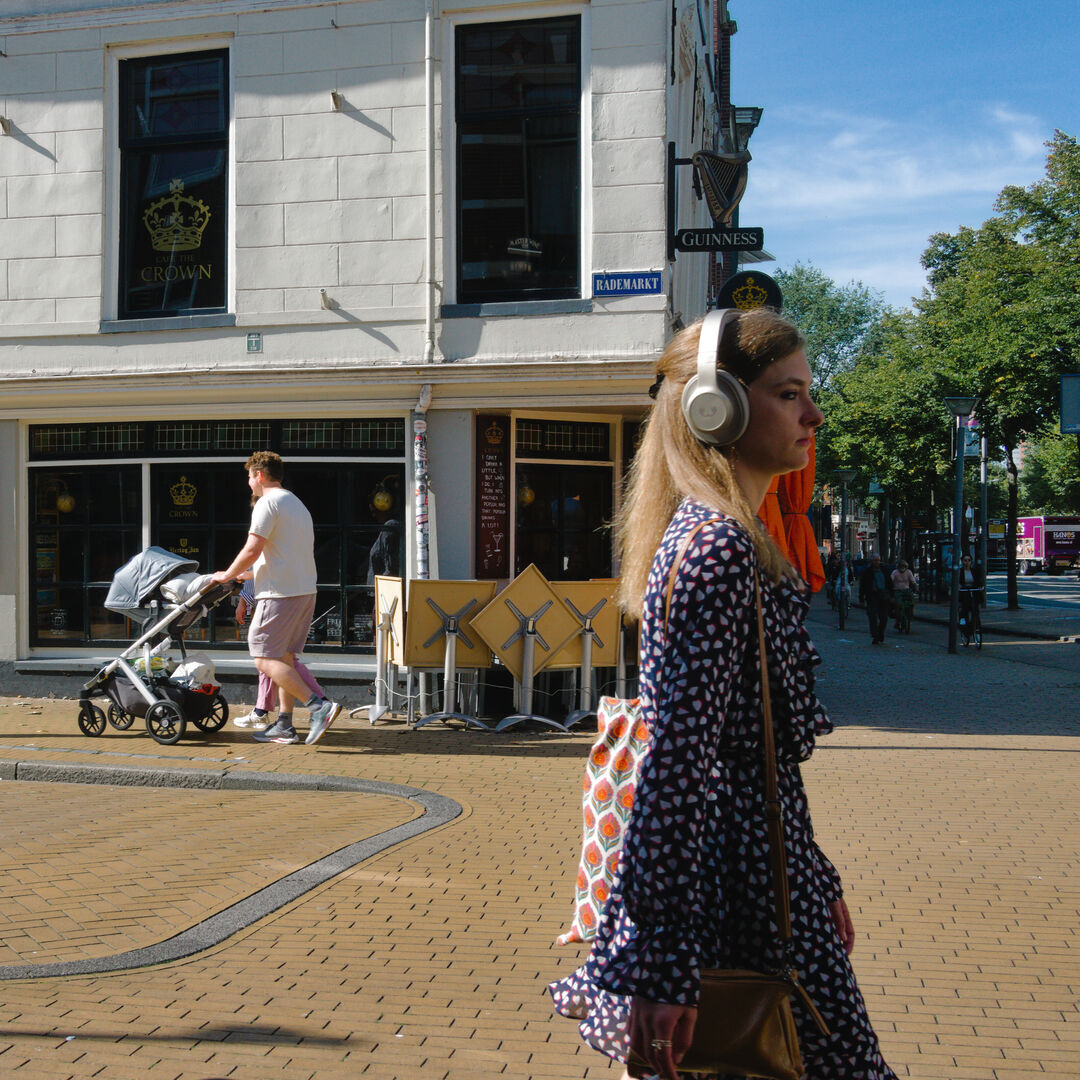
column 853, row 166
column 859, row 196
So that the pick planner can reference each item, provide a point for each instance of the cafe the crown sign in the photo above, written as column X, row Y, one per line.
column 176, row 223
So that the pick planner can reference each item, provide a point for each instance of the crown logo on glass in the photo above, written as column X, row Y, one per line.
column 183, row 493
column 176, row 222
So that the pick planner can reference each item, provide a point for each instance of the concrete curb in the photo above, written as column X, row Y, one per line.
column 1004, row 631
column 438, row 810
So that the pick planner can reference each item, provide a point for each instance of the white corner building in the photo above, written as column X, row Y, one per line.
column 419, row 248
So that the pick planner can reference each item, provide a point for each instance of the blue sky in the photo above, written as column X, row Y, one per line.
column 886, row 122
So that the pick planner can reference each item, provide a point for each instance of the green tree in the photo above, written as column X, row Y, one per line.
column 1050, row 477
column 1000, row 318
column 884, row 418
column 838, row 320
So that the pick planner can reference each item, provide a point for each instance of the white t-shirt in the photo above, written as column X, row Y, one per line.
column 287, row 565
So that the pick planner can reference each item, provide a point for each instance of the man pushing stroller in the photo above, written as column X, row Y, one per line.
column 281, row 549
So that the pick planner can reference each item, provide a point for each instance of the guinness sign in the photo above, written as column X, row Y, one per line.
column 720, row 239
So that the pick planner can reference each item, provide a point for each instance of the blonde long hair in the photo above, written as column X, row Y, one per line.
column 671, row 463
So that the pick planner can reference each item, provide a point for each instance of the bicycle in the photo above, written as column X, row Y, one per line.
column 905, row 605
column 970, row 620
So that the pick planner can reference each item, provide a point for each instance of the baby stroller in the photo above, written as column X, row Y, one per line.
column 161, row 591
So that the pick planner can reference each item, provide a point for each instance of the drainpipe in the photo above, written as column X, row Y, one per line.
column 429, row 201
column 420, row 472
column 420, row 503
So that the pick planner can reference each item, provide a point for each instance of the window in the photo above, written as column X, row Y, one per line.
column 562, row 520
column 519, row 160
column 201, row 510
column 194, row 438
column 563, row 439
column 85, row 523
column 88, row 519
column 174, row 153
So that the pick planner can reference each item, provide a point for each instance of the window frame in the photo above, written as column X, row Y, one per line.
column 451, row 216
column 112, row 320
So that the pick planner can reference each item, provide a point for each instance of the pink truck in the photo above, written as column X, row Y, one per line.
column 1047, row 543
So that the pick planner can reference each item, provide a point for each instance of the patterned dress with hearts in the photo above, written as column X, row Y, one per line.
column 692, row 888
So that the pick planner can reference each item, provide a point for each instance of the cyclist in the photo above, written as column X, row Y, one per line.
column 970, row 586
column 832, row 573
column 904, row 583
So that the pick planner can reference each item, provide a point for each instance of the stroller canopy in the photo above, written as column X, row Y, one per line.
column 135, row 583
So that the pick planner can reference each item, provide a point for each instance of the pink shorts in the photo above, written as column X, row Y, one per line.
column 280, row 626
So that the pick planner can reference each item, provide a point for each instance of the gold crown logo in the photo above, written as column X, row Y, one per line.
column 183, row 493
column 176, row 222
column 494, row 433
column 749, row 296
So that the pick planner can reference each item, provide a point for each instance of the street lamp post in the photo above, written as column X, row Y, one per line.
column 960, row 408
column 844, row 476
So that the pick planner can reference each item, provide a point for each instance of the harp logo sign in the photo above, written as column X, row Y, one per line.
column 628, row 283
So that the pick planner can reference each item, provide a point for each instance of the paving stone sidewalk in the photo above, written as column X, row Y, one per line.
column 957, row 842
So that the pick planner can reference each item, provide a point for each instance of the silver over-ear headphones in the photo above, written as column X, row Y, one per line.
column 714, row 402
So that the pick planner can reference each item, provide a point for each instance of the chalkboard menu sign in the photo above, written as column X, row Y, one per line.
column 492, row 497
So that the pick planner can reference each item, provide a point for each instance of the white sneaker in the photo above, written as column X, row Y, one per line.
column 253, row 720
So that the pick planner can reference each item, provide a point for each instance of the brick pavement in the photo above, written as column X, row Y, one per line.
column 944, row 799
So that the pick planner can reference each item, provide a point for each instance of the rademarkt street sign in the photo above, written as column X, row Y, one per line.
column 719, row 239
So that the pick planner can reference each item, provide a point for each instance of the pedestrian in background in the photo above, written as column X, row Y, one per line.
column 693, row 886
column 903, row 583
column 281, row 549
column 875, row 585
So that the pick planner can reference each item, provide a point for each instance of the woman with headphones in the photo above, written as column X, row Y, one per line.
column 693, row 888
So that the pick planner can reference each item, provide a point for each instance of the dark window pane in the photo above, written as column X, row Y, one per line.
column 85, row 525
column 316, row 487
column 563, row 528
column 562, row 439
column 360, row 621
column 58, row 497
column 377, row 494
column 189, row 543
column 232, row 499
column 168, row 96
column 113, row 496
column 176, row 436
column 310, row 435
column 328, row 556
column 373, row 435
column 109, row 550
column 174, row 184
column 173, row 231
column 105, row 625
column 327, row 625
column 60, row 615
column 182, row 495
column 518, row 122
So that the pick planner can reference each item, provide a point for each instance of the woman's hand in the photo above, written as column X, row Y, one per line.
column 670, row 1027
column 841, row 918
column 241, row 610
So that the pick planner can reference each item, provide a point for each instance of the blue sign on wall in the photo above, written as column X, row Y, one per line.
column 627, row 283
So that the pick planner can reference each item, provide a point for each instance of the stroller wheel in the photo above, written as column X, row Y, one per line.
column 119, row 718
column 165, row 722
column 91, row 719
column 215, row 720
